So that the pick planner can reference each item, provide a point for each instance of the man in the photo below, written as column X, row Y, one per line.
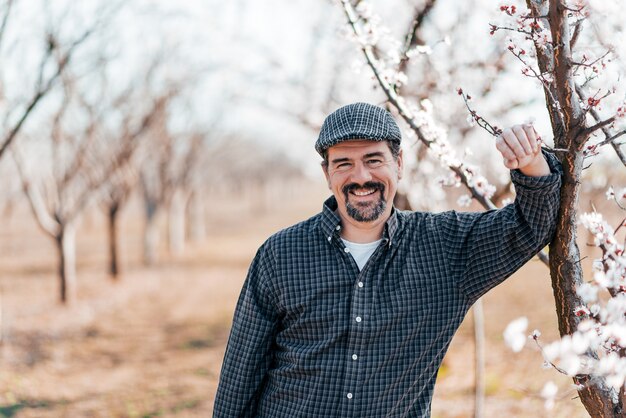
column 350, row 313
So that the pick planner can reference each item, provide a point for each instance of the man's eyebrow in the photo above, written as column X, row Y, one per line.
column 340, row 160
column 373, row 154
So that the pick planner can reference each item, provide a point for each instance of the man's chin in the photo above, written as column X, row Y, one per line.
column 366, row 213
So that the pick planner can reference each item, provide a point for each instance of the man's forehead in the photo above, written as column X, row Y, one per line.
column 359, row 147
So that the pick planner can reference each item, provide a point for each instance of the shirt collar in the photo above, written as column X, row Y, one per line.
column 331, row 222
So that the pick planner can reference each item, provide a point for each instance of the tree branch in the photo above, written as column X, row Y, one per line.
column 43, row 88
column 573, row 116
column 610, row 138
column 42, row 215
column 5, row 19
column 577, row 29
column 412, row 38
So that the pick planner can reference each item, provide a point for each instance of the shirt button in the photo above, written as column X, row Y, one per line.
column 358, row 319
column 360, row 284
column 347, row 250
column 354, row 357
column 338, row 227
column 330, row 239
column 349, row 396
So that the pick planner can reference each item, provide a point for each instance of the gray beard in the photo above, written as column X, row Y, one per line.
column 366, row 213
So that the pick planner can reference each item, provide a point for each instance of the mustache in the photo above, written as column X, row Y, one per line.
column 367, row 185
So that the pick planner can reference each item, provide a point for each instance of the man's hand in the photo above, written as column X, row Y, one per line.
column 520, row 147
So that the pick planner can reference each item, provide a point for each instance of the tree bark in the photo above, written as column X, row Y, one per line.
column 566, row 273
column 66, row 247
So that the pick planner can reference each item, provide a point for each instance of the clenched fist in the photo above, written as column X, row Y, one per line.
column 520, row 147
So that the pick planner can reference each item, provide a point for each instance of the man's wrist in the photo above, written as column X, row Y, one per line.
column 537, row 168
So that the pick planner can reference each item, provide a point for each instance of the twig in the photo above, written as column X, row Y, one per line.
column 480, row 121
column 412, row 38
column 610, row 138
column 5, row 19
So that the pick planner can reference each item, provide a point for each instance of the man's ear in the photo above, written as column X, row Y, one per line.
column 400, row 165
column 325, row 170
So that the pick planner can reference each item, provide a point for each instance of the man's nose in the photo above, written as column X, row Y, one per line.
column 361, row 174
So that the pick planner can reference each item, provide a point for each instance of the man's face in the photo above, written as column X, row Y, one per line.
column 363, row 176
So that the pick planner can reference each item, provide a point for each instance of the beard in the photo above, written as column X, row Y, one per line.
column 365, row 211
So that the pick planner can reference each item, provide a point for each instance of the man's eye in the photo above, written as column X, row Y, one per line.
column 374, row 162
column 343, row 165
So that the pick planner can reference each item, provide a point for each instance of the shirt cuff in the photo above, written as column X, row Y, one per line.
column 519, row 179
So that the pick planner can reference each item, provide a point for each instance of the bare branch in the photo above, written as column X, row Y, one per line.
column 5, row 19
column 577, row 29
column 610, row 138
column 412, row 38
column 480, row 121
column 35, row 199
column 95, row 181
column 43, row 88
column 599, row 125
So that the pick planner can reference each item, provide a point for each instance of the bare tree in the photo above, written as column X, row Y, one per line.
column 83, row 161
column 56, row 54
column 163, row 170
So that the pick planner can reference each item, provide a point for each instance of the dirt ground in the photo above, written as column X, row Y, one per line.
column 151, row 344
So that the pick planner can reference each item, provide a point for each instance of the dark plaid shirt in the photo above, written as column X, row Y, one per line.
column 315, row 337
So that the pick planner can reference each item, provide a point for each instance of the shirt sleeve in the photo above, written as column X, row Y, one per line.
column 483, row 249
column 248, row 353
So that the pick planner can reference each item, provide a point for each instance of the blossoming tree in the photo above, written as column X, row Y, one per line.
column 576, row 70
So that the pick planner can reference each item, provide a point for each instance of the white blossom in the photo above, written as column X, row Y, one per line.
column 548, row 393
column 514, row 334
column 419, row 50
column 587, row 292
column 464, row 200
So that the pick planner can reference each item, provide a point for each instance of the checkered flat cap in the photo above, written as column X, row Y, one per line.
column 357, row 121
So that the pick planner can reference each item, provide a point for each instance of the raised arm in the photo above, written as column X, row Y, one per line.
column 485, row 248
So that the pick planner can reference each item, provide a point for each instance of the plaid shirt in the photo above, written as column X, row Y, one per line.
column 315, row 337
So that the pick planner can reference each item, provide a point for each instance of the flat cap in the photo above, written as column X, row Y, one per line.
column 357, row 121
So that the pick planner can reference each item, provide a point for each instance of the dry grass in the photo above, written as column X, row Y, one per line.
column 151, row 344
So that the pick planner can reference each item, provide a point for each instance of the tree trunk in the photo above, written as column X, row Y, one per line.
column 566, row 273
column 66, row 247
column 114, row 270
column 177, row 222
column 151, row 234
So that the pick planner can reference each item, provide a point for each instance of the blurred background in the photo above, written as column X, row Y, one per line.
column 148, row 148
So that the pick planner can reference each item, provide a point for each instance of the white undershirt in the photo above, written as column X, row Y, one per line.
column 361, row 252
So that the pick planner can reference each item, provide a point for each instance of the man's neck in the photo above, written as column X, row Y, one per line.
column 363, row 232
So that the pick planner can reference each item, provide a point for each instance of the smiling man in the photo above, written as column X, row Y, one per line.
column 349, row 313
